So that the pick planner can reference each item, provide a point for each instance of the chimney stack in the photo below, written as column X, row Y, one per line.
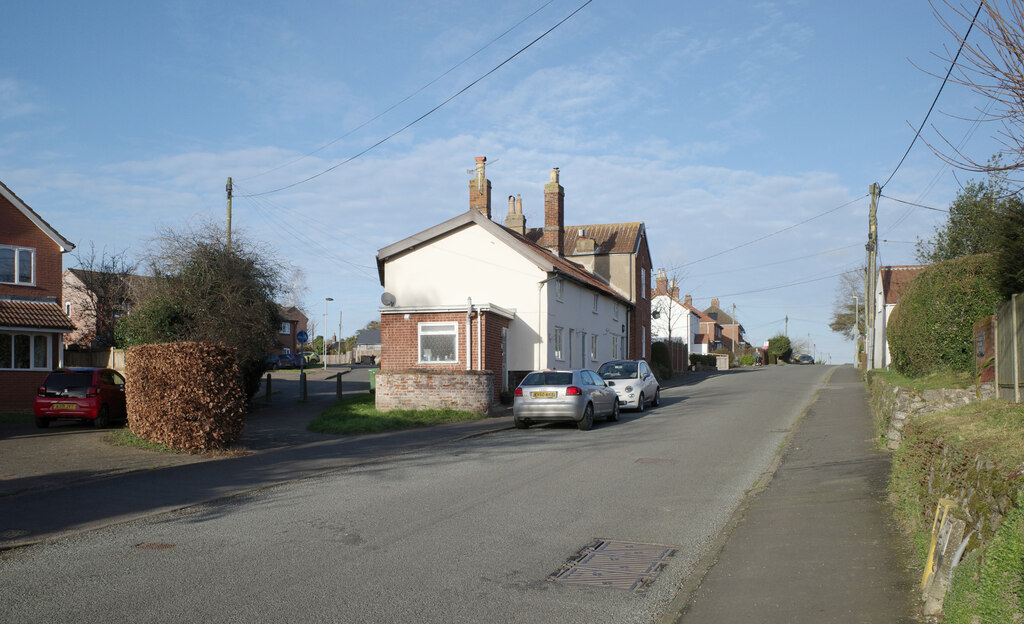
column 515, row 220
column 554, row 215
column 661, row 283
column 688, row 301
column 673, row 290
column 714, row 303
column 480, row 189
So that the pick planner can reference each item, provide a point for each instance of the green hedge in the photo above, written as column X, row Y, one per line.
column 931, row 328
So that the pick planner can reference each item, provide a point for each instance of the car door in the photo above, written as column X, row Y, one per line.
column 120, row 402
column 601, row 393
column 647, row 381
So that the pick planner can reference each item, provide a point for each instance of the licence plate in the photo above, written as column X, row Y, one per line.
column 69, row 406
column 543, row 395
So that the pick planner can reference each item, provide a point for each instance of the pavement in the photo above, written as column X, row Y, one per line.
column 814, row 544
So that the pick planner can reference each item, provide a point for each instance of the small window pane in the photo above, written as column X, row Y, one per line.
column 6, row 345
column 25, row 266
column 22, row 351
column 438, row 342
column 7, row 265
column 39, row 351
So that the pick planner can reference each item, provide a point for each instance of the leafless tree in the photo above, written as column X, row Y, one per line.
column 991, row 62
column 849, row 297
column 100, row 292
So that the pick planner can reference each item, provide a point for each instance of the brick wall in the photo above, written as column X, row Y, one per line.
column 18, row 389
column 400, row 343
column 20, row 231
column 640, row 319
column 471, row 391
column 985, row 348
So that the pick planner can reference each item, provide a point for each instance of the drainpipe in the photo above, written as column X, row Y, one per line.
column 480, row 339
column 469, row 333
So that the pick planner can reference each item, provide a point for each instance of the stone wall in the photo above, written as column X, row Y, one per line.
column 470, row 391
column 895, row 405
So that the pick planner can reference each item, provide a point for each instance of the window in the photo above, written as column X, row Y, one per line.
column 595, row 303
column 615, row 348
column 593, row 347
column 558, row 343
column 439, row 342
column 643, row 342
column 286, row 328
column 615, row 311
column 17, row 265
column 559, row 289
column 25, row 351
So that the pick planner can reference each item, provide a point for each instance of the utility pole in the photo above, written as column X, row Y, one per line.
column 229, row 213
column 786, row 333
column 737, row 326
column 869, row 300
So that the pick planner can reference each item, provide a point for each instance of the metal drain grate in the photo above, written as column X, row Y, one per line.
column 613, row 563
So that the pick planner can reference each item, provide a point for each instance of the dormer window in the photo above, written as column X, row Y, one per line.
column 17, row 265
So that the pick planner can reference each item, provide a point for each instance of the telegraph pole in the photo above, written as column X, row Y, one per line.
column 869, row 299
column 229, row 213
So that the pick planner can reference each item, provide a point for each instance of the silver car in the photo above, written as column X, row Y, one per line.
column 633, row 381
column 570, row 395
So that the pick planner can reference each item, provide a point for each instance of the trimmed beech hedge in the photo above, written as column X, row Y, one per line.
column 930, row 330
column 185, row 395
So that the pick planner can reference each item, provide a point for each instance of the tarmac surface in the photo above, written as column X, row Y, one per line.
column 815, row 545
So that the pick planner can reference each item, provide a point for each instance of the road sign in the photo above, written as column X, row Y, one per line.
column 302, row 337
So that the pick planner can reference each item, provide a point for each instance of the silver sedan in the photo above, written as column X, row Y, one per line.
column 577, row 395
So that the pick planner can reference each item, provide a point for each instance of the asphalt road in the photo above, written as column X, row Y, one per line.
column 464, row 532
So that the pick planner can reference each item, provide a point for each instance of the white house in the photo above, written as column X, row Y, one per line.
column 890, row 282
column 673, row 319
column 472, row 295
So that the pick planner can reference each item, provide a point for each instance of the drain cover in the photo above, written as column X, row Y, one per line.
column 155, row 546
column 614, row 563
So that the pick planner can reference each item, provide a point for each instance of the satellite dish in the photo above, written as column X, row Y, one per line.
column 387, row 299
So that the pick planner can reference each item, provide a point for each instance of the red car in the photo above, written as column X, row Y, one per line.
column 89, row 394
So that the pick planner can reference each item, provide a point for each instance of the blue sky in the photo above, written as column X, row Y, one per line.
column 716, row 124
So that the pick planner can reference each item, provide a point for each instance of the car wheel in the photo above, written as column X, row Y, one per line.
column 640, row 402
column 102, row 418
column 614, row 417
column 588, row 418
column 657, row 398
column 521, row 424
column 42, row 423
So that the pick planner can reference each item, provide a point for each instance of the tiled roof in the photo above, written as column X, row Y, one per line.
column 895, row 280
column 609, row 238
column 570, row 268
column 291, row 313
column 19, row 203
column 33, row 315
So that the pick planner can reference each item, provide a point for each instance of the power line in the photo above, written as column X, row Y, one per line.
column 405, row 99
column 790, row 284
column 430, row 112
column 963, row 42
column 761, row 238
column 914, row 204
column 765, row 264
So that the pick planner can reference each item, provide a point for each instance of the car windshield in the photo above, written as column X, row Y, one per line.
column 68, row 384
column 547, row 378
column 617, row 370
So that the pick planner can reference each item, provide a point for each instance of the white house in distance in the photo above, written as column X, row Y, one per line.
column 890, row 282
column 675, row 320
column 474, row 298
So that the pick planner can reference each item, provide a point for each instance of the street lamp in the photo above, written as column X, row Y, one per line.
column 326, row 300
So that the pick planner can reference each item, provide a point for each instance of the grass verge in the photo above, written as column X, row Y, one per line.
column 933, row 381
column 125, row 437
column 359, row 415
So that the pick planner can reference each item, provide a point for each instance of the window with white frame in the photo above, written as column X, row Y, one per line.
column 558, row 344
column 615, row 311
column 595, row 303
column 559, row 288
column 17, row 265
column 439, row 342
column 286, row 328
column 615, row 347
column 593, row 347
column 24, row 351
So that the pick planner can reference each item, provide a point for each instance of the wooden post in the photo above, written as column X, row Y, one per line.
column 339, row 387
column 1016, row 351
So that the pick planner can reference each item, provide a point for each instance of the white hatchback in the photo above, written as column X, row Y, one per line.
column 633, row 382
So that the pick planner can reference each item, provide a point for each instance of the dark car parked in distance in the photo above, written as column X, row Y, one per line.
column 89, row 394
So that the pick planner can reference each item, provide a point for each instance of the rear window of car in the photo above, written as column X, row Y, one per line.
column 618, row 370
column 547, row 379
column 68, row 384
